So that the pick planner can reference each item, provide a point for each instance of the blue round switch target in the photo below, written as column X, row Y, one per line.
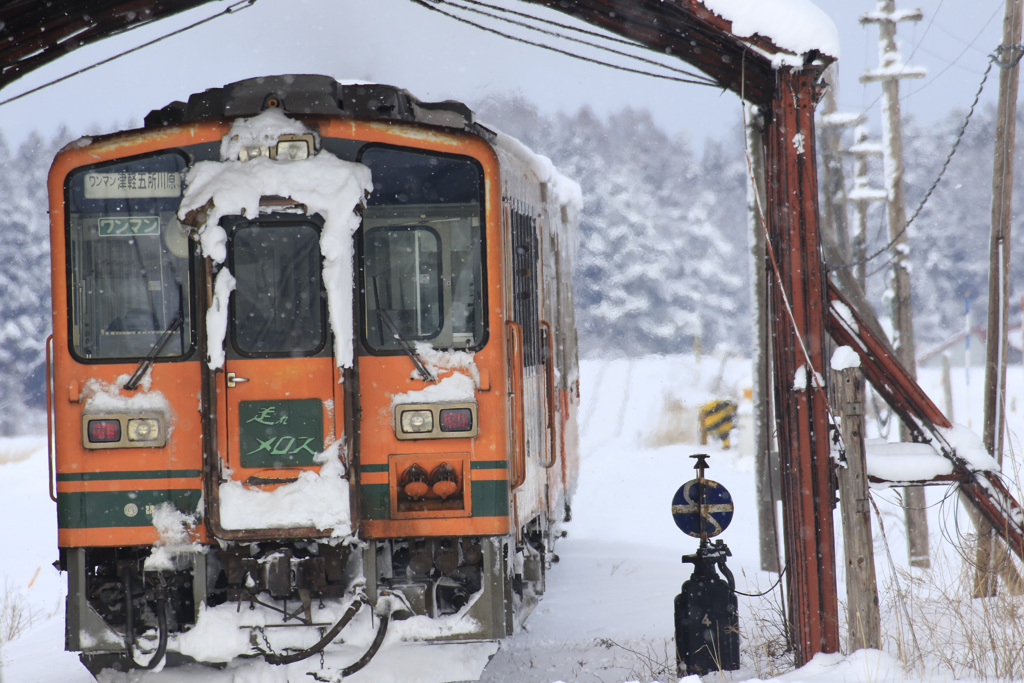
column 702, row 516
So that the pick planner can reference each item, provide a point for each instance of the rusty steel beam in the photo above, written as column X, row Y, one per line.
column 798, row 303
column 33, row 34
column 983, row 488
column 881, row 367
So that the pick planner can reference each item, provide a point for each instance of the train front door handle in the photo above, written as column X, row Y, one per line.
column 233, row 379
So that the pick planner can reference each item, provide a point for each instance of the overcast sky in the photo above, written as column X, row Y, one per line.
column 402, row 43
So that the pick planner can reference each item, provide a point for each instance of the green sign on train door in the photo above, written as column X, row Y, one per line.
column 284, row 433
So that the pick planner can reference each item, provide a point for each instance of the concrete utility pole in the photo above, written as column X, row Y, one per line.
column 889, row 73
column 999, row 269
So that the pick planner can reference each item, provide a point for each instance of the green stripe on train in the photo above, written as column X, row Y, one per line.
column 489, row 464
column 135, row 474
column 490, row 498
column 98, row 509
column 376, row 503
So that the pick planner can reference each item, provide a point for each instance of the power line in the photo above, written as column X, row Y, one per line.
column 693, row 80
column 993, row 59
column 949, row 65
column 496, row 8
column 231, row 9
column 956, row 59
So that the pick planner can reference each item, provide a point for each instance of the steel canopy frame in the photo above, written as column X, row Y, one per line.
column 33, row 34
column 787, row 97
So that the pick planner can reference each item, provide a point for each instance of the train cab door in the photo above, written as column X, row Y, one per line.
column 279, row 371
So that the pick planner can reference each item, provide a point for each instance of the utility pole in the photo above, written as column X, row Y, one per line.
column 766, row 457
column 834, row 184
column 891, row 70
column 846, row 392
column 999, row 270
column 860, row 196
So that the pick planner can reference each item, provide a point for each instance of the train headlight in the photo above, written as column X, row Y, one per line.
column 293, row 147
column 144, row 429
column 417, row 421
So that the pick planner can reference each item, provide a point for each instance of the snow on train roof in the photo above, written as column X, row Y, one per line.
column 566, row 192
column 796, row 25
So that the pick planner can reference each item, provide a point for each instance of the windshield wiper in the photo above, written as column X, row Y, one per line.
column 409, row 349
column 133, row 382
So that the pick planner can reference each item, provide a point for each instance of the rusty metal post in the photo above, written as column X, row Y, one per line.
column 799, row 302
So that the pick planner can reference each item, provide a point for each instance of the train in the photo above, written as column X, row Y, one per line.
column 313, row 356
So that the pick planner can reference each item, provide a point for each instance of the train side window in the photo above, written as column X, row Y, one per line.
column 278, row 301
column 129, row 259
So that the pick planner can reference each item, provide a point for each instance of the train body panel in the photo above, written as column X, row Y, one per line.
column 262, row 394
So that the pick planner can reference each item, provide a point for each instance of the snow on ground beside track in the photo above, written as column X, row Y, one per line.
column 607, row 613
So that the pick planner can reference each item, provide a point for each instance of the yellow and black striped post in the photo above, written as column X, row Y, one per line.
column 718, row 419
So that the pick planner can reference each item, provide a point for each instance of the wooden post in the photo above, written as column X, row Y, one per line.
column 766, row 458
column 947, row 387
column 999, row 272
column 799, row 304
column 863, row 620
column 914, row 502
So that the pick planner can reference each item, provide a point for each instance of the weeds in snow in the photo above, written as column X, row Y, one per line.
column 966, row 636
column 16, row 612
column 655, row 661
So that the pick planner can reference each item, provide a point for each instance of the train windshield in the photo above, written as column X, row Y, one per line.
column 279, row 307
column 422, row 247
column 129, row 260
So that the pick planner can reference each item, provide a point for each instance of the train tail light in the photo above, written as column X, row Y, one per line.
column 444, row 481
column 104, row 431
column 414, row 482
column 456, row 420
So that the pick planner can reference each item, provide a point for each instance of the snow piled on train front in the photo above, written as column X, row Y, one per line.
column 317, row 500
column 326, row 185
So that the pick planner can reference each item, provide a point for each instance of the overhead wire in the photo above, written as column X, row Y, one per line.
column 692, row 79
column 956, row 142
column 931, row 189
column 956, row 59
column 566, row 27
column 230, row 9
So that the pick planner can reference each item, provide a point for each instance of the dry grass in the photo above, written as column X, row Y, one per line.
column 949, row 631
column 765, row 645
column 17, row 614
column 17, row 449
column 651, row 661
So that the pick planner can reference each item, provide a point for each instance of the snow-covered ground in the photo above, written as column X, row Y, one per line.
column 607, row 614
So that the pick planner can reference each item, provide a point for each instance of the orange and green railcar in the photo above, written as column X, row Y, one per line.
column 313, row 343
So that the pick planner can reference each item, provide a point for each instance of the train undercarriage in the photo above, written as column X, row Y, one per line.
column 286, row 597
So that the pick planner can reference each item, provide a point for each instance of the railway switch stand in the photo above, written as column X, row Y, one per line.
column 706, row 610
